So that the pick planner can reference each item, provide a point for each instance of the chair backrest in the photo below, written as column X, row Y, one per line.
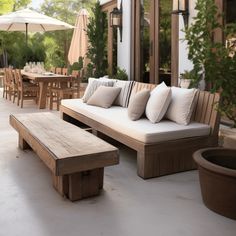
column 58, row 70
column 8, row 76
column 11, row 76
column 75, row 74
column 16, row 78
column 19, row 78
column 53, row 69
column 64, row 71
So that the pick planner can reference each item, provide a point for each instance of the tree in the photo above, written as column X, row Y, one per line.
column 97, row 35
column 211, row 59
column 8, row 39
column 64, row 10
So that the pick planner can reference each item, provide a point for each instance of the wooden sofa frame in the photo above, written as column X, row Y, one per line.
column 166, row 157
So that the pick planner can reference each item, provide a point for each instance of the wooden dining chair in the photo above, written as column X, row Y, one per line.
column 13, row 84
column 53, row 70
column 10, row 87
column 26, row 90
column 64, row 71
column 58, row 71
column 5, row 84
column 71, row 90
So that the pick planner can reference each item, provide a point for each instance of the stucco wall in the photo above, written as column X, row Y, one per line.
column 184, row 63
column 124, row 47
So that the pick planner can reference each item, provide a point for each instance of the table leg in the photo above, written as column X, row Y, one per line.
column 22, row 144
column 79, row 185
column 42, row 94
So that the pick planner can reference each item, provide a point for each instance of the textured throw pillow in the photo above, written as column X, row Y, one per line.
column 93, row 84
column 137, row 104
column 158, row 103
column 123, row 97
column 104, row 96
column 182, row 105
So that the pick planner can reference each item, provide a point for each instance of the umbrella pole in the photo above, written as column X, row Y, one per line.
column 26, row 33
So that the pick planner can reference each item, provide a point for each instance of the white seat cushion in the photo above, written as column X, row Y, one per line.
column 142, row 130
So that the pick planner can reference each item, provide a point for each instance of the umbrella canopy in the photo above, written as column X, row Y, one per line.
column 79, row 42
column 16, row 21
column 28, row 20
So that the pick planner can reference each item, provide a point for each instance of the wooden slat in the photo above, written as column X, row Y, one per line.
column 140, row 86
column 209, row 108
column 199, row 106
column 204, row 107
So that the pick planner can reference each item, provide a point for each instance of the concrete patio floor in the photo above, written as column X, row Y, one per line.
column 128, row 205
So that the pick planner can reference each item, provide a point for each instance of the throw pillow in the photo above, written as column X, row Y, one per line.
column 123, row 97
column 158, row 103
column 137, row 104
column 93, row 84
column 104, row 96
column 182, row 105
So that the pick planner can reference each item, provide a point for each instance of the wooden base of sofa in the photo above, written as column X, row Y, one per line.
column 170, row 157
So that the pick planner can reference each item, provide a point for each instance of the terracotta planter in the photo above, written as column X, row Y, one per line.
column 228, row 137
column 217, row 174
column 184, row 83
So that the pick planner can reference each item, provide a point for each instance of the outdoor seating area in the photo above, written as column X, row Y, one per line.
column 43, row 88
column 117, row 117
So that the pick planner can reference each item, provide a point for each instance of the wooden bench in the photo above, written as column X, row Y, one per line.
column 75, row 157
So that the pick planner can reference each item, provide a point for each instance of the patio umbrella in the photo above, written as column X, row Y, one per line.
column 28, row 20
column 79, row 42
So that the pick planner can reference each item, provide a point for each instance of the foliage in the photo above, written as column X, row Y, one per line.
column 77, row 65
column 89, row 70
column 12, row 43
column 211, row 59
column 121, row 74
column 165, row 34
column 186, row 75
column 65, row 11
column 97, row 36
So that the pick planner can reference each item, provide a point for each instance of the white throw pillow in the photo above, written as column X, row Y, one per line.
column 123, row 97
column 158, row 103
column 93, row 84
column 104, row 96
column 182, row 105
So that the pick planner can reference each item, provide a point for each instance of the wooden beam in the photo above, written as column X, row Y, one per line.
column 174, row 49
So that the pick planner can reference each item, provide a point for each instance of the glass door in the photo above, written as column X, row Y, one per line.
column 152, row 39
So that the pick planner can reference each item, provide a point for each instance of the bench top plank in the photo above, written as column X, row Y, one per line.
column 67, row 144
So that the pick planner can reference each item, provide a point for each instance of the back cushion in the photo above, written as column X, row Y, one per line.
column 93, row 85
column 123, row 97
column 182, row 105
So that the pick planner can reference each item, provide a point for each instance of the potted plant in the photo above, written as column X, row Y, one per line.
column 185, row 79
column 121, row 74
column 215, row 65
column 212, row 61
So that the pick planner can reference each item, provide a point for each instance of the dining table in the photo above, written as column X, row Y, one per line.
column 44, row 80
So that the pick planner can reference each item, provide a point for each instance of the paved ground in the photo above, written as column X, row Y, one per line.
column 128, row 206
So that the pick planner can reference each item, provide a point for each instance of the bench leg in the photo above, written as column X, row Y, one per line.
column 80, row 185
column 22, row 144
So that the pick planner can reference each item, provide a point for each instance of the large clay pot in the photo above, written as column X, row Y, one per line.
column 217, row 174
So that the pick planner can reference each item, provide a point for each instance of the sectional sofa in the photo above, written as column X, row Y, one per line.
column 162, row 148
